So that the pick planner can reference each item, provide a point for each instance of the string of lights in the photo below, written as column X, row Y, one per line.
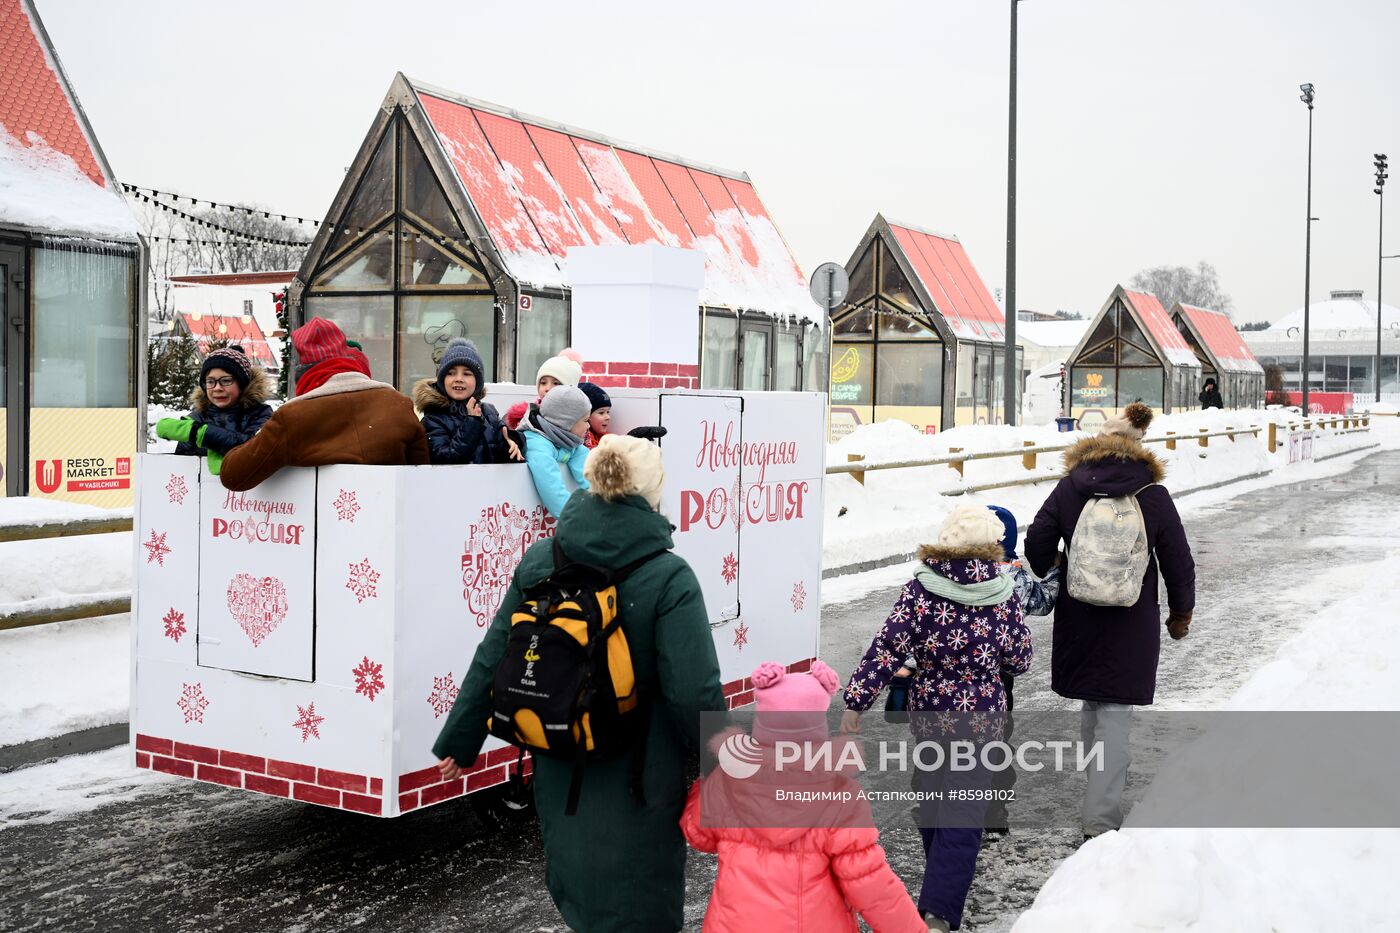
column 218, row 205
column 190, row 218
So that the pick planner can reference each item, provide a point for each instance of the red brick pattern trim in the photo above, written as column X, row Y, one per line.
column 425, row 787
column 740, row 692
column 642, row 375
column 356, row 792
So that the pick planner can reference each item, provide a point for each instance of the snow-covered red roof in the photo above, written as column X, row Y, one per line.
column 948, row 276
column 1220, row 339
column 541, row 188
column 1160, row 327
column 52, row 175
column 243, row 331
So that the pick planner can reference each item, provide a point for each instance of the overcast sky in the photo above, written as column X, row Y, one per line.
column 1151, row 131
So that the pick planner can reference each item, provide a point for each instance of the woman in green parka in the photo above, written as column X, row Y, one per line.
column 618, row 864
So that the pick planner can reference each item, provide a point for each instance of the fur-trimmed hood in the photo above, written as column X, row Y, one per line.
column 1103, row 447
column 933, row 554
column 427, row 395
column 259, row 390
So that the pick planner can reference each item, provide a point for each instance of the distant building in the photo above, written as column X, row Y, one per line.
column 1342, row 347
column 234, row 297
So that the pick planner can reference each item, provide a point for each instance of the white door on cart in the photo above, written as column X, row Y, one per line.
column 702, row 453
column 257, row 576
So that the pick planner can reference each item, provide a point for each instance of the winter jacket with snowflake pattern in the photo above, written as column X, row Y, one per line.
column 960, row 650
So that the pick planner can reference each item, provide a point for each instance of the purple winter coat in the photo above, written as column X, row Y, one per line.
column 1109, row 653
column 961, row 650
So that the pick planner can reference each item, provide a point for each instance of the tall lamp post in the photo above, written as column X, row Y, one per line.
column 1381, row 175
column 1012, row 378
column 1307, row 98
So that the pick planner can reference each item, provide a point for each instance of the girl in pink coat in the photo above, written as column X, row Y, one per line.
column 784, row 866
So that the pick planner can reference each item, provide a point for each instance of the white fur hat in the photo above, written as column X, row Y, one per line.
column 970, row 527
column 567, row 371
column 627, row 466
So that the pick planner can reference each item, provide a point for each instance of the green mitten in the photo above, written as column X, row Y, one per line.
column 175, row 429
column 199, row 436
column 216, row 460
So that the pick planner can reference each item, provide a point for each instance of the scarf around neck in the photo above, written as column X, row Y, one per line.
column 986, row 593
column 556, row 435
column 316, row 376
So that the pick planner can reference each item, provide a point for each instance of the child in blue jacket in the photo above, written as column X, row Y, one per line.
column 554, row 430
column 461, row 427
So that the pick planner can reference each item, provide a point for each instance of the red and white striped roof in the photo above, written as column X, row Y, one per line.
column 541, row 188
column 52, row 174
column 1220, row 339
column 243, row 331
column 948, row 276
column 1161, row 329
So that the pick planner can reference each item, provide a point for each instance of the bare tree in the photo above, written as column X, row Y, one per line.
column 1199, row 287
column 261, row 246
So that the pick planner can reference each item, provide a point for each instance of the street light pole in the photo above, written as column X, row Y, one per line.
column 1381, row 175
column 1307, row 98
column 1012, row 378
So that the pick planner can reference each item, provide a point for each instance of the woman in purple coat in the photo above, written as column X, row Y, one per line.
column 1106, row 656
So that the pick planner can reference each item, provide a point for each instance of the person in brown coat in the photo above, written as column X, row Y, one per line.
column 339, row 415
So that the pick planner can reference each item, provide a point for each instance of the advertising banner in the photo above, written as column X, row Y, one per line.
column 83, row 455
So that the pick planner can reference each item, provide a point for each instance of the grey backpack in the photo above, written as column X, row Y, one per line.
column 1109, row 554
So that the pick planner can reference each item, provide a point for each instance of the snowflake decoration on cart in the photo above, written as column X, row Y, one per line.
column 730, row 568
column 308, row 721
column 347, row 505
column 174, row 624
column 156, row 548
column 443, row 696
column 192, row 702
column 369, row 678
column 363, row 577
column 177, row 490
column 799, row 596
column 741, row 636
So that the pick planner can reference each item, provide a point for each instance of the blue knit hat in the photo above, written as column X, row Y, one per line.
column 1008, row 540
column 461, row 352
column 596, row 396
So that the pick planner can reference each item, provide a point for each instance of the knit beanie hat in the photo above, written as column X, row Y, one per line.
column 792, row 707
column 461, row 352
column 622, row 466
column 1132, row 423
column 564, row 406
column 319, row 340
column 596, row 396
column 567, row 371
column 1008, row 530
column 969, row 527
column 232, row 360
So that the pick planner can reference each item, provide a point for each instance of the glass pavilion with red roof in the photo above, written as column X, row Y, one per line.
column 921, row 339
column 1223, row 355
column 72, row 264
column 457, row 216
column 1130, row 352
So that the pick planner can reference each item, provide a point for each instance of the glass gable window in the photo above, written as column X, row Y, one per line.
column 83, row 326
column 400, row 274
column 908, row 376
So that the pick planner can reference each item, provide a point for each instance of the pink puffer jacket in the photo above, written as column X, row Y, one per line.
column 796, row 879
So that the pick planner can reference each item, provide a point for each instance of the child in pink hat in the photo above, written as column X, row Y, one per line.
column 785, row 866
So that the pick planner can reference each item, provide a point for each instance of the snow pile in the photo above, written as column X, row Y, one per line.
column 37, row 699
column 44, row 190
column 896, row 510
column 72, row 785
column 1281, row 880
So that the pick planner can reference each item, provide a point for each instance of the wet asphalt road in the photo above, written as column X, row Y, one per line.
column 195, row 857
